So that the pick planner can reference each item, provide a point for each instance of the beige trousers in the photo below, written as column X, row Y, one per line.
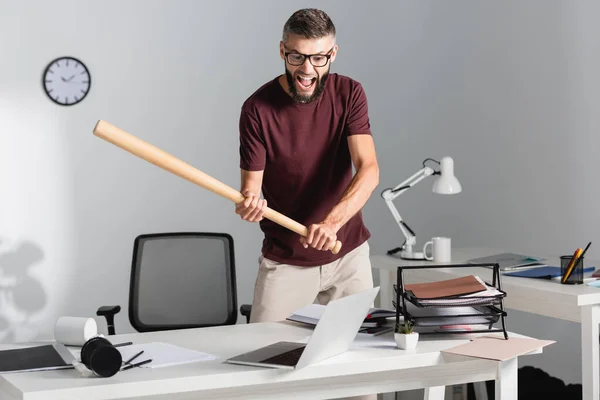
column 281, row 289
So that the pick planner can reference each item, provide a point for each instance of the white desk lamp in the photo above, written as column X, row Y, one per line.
column 446, row 183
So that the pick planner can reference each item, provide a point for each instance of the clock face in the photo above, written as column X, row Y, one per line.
column 66, row 81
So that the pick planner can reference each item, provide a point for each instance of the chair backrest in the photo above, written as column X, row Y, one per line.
column 182, row 280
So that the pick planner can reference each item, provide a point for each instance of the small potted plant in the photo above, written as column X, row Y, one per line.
column 404, row 335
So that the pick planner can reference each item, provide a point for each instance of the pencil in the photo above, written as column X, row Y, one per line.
column 574, row 258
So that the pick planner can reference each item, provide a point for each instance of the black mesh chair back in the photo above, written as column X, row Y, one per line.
column 182, row 280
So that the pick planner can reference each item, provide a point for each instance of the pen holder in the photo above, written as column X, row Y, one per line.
column 575, row 277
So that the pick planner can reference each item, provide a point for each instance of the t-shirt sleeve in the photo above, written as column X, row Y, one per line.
column 358, row 115
column 252, row 147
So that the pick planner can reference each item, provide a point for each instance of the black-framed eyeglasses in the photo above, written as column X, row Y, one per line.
column 317, row 60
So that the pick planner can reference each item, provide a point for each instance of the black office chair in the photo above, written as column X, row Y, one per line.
column 245, row 310
column 180, row 280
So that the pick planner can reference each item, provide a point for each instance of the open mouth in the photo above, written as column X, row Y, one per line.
column 306, row 82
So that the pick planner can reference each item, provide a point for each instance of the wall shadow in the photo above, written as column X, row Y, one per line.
column 22, row 295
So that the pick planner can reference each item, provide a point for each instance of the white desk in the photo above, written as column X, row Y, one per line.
column 359, row 371
column 577, row 303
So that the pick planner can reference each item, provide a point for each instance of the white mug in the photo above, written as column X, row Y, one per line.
column 440, row 249
column 74, row 331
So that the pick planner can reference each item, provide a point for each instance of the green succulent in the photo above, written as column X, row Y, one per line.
column 406, row 327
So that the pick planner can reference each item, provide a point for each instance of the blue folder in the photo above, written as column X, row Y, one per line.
column 543, row 272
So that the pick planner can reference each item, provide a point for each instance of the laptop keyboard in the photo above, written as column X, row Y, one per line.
column 289, row 358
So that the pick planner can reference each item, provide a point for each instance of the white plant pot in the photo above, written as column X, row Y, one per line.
column 406, row 341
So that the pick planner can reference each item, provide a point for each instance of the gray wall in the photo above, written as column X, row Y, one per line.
column 509, row 89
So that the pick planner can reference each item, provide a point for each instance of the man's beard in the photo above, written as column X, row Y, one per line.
column 301, row 98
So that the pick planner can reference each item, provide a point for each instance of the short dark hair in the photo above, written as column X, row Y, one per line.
column 310, row 23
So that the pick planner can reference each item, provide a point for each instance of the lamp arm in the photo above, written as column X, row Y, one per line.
column 390, row 194
column 406, row 231
column 407, row 184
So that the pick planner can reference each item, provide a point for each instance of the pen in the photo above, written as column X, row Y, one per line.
column 134, row 357
column 586, row 249
column 137, row 365
column 123, row 344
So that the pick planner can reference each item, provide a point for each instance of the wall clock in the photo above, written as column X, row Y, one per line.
column 66, row 81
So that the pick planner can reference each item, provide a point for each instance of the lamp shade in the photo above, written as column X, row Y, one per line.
column 446, row 183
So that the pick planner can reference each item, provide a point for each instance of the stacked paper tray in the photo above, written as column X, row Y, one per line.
column 442, row 316
column 464, row 305
column 491, row 297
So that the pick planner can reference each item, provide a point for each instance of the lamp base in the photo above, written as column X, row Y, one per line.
column 410, row 255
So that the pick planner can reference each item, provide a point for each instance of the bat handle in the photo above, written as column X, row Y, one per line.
column 294, row 226
column 337, row 247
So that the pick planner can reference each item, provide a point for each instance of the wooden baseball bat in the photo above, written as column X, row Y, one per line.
column 164, row 160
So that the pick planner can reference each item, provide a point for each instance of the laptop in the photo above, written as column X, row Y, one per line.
column 336, row 330
column 509, row 261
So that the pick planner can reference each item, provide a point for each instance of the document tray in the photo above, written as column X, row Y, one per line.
column 482, row 310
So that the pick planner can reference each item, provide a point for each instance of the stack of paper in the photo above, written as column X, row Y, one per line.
column 468, row 290
column 429, row 316
column 312, row 313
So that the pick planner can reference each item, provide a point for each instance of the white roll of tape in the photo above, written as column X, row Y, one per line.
column 75, row 331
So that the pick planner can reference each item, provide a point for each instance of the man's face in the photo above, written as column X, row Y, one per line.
column 306, row 81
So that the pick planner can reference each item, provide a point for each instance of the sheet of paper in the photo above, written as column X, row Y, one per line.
column 490, row 291
column 498, row 348
column 163, row 354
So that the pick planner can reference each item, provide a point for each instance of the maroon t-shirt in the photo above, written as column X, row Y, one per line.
column 303, row 150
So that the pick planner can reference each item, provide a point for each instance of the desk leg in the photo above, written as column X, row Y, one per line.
column 480, row 390
column 435, row 393
column 590, row 369
column 386, row 290
column 507, row 381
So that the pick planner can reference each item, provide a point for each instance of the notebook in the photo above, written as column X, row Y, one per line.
column 508, row 261
column 37, row 358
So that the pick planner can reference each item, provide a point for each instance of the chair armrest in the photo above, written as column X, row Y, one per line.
column 245, row 310
column 109, row 313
